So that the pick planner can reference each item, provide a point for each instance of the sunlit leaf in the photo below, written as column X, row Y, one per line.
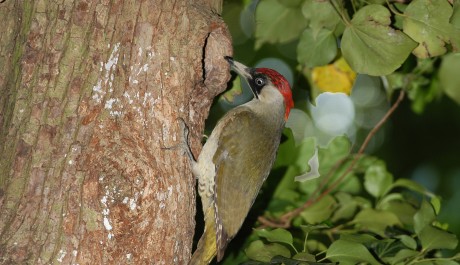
column 236, row 90
column 315, row 49
column 278, row 235
column 300, row 124
column 335, row 77
column 277, row 23
column 449, row 77
column 427, row 22
column 257, row 250
column 436, row 203
column 313, row 163
column 377, row 180
column 347, row 252
column 371, row 46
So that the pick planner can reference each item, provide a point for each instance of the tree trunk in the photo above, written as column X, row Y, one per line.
column 90, row 97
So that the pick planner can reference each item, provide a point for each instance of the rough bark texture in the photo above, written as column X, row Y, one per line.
column 90, row 96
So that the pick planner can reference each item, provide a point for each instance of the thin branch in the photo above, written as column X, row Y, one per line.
column 285, row 220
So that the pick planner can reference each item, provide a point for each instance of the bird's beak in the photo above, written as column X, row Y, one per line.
column 239, row 68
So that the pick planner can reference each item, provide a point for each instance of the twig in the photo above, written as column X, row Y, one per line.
column 285, row 220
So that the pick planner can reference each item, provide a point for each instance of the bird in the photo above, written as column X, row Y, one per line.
column 237, row 158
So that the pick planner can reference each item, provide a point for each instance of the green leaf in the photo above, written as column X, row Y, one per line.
column 322, row 15
column 404, row 210
column 434, row 238
column 277, row 235
column 401, row 256
column 285, row 154
column 449, row 77
column 304, row 257
column 359, row 238
column 424, row 217
column 347, row 252
column 316, row 49
column 337, row 149
column 377, row 180
column 411, row 185
column 436, row 203
column 320, row 211
column 257, row 250
column 427, row 22
column 351, row 184
column 290, row 3
column 375, row 221
column 371, row 46
column 277, row 23
column 313, row 163
column 306, row 151
column 301, row 125
column 347, row 207
column 408, row 241
column 455, row 18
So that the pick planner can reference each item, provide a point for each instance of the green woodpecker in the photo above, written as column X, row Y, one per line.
column 237, row 158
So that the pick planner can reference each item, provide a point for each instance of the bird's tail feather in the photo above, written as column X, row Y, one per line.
column 206, row 249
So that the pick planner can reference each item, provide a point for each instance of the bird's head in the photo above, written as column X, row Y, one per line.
column 267, row 84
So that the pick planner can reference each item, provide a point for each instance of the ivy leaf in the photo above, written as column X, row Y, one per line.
column 455, row 18
column 320, row 211
column 316, row 49
column 449, row 77
column 278, row 235
column 337, row 149
column 402, row 255
column 434, row 238
column 427, row 22
column 408, row 241
column 277, row 23
column 347, row 207
column 347, row 252
column 376, row 221
column 322, row 15
column 290, row 3
column 411, row 185
column 371, row 46
column 257, row 250
column 424, row 217
column 404, row 210
column 377, row 180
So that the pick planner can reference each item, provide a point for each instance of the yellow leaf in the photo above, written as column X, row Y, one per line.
column 335, row 77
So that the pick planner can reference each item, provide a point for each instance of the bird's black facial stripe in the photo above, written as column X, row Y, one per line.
column 257, row 82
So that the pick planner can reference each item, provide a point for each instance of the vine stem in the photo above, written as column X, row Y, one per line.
column 285, row 220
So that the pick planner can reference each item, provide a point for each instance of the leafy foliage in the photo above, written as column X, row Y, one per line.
column 374, row 37
column 356, row 211
column 377, row 221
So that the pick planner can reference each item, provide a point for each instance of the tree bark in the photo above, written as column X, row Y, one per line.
column 90, row 97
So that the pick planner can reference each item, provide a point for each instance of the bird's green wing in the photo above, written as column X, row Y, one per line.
column 245, row 154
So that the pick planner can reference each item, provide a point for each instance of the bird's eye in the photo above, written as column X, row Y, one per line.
column 260, row 81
